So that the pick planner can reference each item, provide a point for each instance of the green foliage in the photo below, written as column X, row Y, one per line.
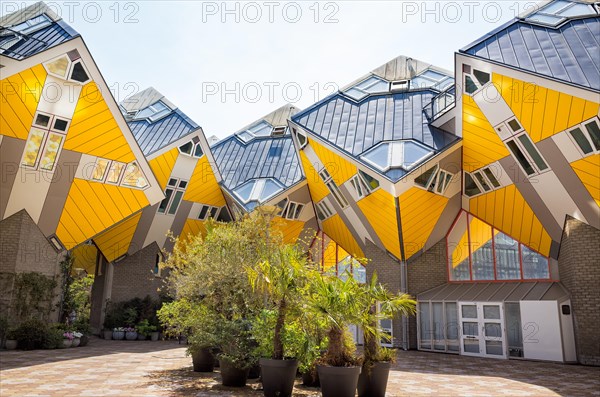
column 192, row 319
column 34, row 293
column 236, row 343
column 130, row 316
column 54, row 337
column 66, row 303
column 120, row 314
column 78, row 298
column 144, row 328
column 31, row 334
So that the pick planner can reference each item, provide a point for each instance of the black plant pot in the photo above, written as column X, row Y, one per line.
column 372, row 381
column 338, row 381
column 84, row 340
column 203, row 360
column 311, row 379
column 278, row 377
column 232, row 376
column 254, row 372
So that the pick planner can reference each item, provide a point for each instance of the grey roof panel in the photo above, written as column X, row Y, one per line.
column 495, row 292
column 568, row 53
column 52, row 35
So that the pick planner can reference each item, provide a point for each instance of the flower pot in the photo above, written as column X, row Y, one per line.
column 372, row 381
column 67, row 343
column 278, row 377
column 118, row 335
column 84, row 340
column 131, row 335
column 75, row 342
column 203, row 360
column 10, row 344
column 107, row 334
column 154, row 336
column 141, row 337
column 338, row 381
column 232, row 376
column 254, row 372
column 311, row 379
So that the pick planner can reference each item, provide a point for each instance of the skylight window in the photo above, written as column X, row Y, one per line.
column 557, row 12
column 258, row 190
column 153, row 112
column 431, row 78
column 262, row 129
column 399, row 154
column 33, row 24
column 372, row 85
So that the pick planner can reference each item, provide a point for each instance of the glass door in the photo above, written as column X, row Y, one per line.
column 482, row 329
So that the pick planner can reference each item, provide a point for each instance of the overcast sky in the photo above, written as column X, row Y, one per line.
column 225, row 64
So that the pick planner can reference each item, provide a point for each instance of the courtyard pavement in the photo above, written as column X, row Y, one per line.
column 134, row 368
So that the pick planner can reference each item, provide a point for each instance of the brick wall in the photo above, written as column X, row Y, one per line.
column 23, row 249
column 425, row 272
column 133, row 277
column 579, row 269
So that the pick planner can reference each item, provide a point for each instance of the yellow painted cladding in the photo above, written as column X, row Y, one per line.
column 115, row 242
column 162, row 166
column 94, row 130
column 419, row 213
column 84, row 257
column 290, row 229
column 588, row 170
column 338, row 167
column 481, row 144
column 192, row 227
column 335, row 228
column 203, row 187
column 380, row 209
column 507, row 210
column 329, row 258
column 318, row 189
column 541, row 111
column 20, row 95
column 93, row 207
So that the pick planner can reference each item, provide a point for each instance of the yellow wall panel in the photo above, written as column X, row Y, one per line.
column 543, row 112
column 192, row 227
column 481, row 144
column 338, row 167
column 419, row 213
column 203, row 187
column 162, row 166
column 94, row 130
column 290, row 229
column 517, row 219
column 115, row 242
column 379, row 208
column 329, row 256
column 93, row 207
column 318, row 189
column 84, row 257
column 335, row 228
column 19, row 96
column 588, row 170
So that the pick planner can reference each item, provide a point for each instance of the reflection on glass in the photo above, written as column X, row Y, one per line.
column 424, row 325
column 458, row 250
column 507, row 257
column 438, row 326
column 134, row 177
column 535, row 266
column 493, row 347
column 481, row 250
column 471, row 345
column 100, row 169
column 51, row 152
column 493, row 330
column 452, row 326
column 115, row 172
column 491, row 312
column 469, row 311
column 32, row 149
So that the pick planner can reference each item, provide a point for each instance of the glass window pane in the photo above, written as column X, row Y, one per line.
column 581, row 140
column 203, row 212
column 469, row 311
column 493, row 347
column 213, row 212
column 115, row 172
column 470, row 328
column 261, row 129
column 412, row 154
column 433, row 75
column 482, row 266
column 438, row 326
column 32, row 149
column 425, row 326
column 452, row 326
column 271, row 188
column 490, row 175
column 471, row 345
column 482, row 181
column 100, row 169
column 493, row 330
column 244, row 191
column 518, row 154
column 420, row 82
column 546, row 19
column 134, row 177
column 186, row 148
column 482, row 77
column 163, row 204
column 379, row 156
column 424, row 178
column 53, row 145
column 470, row 86
column 577, row 9
column 42, row 120
column 371, row 182
column 298, row 211
column 172, row 182
column 535, row 266
column 175, row 203
column 78, row 73
column 514, row 125
column 59, row 66
column 514, row 332
column 491, row 312
column 471, row 188
column 198, row 151
column 533, row 152
column 594, row 132
column 507, row 257
column 458, row 250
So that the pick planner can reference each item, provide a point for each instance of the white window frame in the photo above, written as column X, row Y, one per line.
column 122, row 178
column 32, row 27
column 537, row 170
column 174, row 190
column 333, row 188
column 296, row 134
column 361, row 186
column 209, row 210
column 323, row 208
column 193, row 151
column 291, row 209
column 486, row 180
column 69, row 69
column 47, row 131
column 475, row 80
column 587, row 136
column 121, row 173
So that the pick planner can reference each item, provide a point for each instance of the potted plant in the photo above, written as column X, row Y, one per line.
column 54, row 337
column 130, row 333
column 118, row 333
column 282, row 278
column 30, row 334
column 237, row 351
column 379, row 304
column 67, row 339
column 338, row 302
column 11, row 342
column 76, row 339
column 144, row 329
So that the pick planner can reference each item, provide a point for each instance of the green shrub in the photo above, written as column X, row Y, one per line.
column 54, row 337
column 31, row 334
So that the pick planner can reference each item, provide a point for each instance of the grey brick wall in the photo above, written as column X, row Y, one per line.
column 133, row 276
column 579, row 268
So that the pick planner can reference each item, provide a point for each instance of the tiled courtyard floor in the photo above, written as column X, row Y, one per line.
column 121, row 368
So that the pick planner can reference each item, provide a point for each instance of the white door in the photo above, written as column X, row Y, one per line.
column 482, row 331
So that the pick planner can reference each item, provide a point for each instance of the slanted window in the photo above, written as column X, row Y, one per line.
column 115, row 172
column 134, row 176
column 323, row 210
column 371, row 85
column 33, row 24
column 100, row 168
column 481, row 181
column 259, row 190
column 68, row 68
column 173, row 196
column 404, row 154
column 192, row 149
column 333, row 188
column 79, row 73
column 475, row 80
column 301, row 139
column 431, row 79
column 278, row 131
column 292, row 211
column 153, row 112
column 208, row 211
column 45, row 141
column 526, row 154
column 471, row 188
column 587, row 136
column 363, row 184
column 262, row 129
column 557, row 12
column 427, row 178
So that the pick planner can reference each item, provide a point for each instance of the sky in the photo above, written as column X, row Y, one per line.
column 226, row 64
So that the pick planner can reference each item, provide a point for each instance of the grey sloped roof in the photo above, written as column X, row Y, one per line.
column 150, row 135
column 569, row 53
column 357, row 127
column 37, row 41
